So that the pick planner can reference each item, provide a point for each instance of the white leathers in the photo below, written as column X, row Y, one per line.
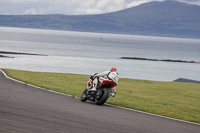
column 110, row 76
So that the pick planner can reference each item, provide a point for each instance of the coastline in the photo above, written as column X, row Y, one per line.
column 67, row 58
column 2, row 54
column 165, row 60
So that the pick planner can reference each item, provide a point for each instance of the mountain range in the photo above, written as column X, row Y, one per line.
column 167, row 18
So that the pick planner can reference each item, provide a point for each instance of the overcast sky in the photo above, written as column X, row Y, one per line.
column 69, row 7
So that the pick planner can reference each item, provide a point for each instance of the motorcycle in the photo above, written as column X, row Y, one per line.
column 101, row 95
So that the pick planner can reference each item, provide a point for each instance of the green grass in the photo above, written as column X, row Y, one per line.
column 176, row 100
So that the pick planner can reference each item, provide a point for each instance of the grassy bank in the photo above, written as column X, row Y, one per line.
column 176, row 100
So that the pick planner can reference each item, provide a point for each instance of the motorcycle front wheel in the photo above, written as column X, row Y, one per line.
column 102, row 96
column 84, row 95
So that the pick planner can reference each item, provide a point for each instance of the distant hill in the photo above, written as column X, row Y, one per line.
column 168, row 18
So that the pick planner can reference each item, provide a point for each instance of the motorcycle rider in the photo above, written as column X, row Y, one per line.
column 99, row 78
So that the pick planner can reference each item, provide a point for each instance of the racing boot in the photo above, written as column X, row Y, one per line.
column 93, row 89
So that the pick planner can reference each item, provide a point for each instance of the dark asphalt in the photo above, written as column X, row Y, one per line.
column 25, row 109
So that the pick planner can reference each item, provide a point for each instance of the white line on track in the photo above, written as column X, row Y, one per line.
column 105, row 103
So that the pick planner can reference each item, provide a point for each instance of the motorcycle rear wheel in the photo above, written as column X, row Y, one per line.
column 100, row 100
column 84, row 96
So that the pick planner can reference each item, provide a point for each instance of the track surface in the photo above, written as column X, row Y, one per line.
column 27, row 109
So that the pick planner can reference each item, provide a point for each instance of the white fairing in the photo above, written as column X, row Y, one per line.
column 113, row 76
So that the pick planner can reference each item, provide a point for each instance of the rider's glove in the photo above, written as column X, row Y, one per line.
column 91, row 77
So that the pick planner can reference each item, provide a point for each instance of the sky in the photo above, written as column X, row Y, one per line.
column 70, row 7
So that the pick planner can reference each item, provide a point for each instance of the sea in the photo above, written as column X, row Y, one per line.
column 89, row 53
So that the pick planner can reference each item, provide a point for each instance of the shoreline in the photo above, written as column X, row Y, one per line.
column 165, row 60
column 2, row 54
column 181, row 80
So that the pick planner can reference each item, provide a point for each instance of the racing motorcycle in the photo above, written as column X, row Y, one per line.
column 101, row 95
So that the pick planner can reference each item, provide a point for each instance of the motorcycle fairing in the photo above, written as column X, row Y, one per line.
column 107, row 84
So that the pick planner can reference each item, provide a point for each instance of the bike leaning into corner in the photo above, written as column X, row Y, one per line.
column 99, row 88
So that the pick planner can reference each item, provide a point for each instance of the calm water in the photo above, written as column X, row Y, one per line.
column 87, row 53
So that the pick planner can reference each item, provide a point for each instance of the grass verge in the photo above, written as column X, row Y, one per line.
column 171, row 99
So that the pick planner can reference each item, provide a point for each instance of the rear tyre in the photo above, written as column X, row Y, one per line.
column 84, row 95
column 102, row 96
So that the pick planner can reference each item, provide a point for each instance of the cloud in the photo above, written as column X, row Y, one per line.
column 60, row 6
column 69, row 7
column 137, row 2
column 196, row 2
column 101, row 6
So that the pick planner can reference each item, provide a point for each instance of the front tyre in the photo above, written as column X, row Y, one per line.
column 84, row 95
column 102, row 96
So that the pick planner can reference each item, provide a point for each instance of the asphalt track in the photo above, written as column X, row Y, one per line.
column 26, row 109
